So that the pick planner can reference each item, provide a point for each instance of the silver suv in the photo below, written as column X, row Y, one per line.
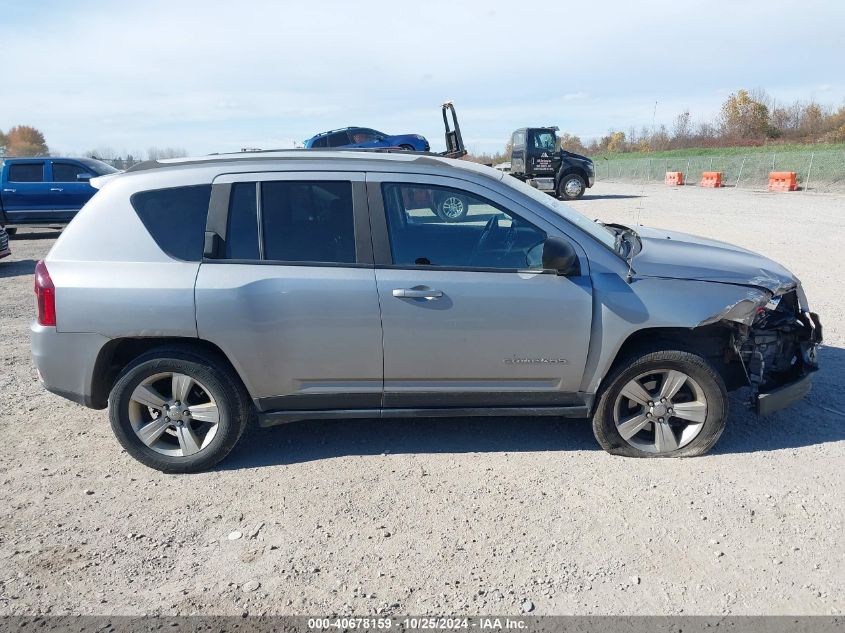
column 191, row 296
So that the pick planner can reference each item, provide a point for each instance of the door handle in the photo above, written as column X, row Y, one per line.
column 9, row 190
column 417, row 293
column 56, row 189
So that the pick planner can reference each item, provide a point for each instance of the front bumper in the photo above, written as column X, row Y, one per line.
column 775, row 400
column 591, row 180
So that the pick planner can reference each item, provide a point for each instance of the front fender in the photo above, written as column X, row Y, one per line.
column 621, row 309
column 570, row 169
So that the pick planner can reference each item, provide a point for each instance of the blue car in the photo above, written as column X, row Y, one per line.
column 46, row 191
column 367, row 137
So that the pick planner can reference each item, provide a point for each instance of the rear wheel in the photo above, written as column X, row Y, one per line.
column 177, row 411
column 571, row 186
column 666, row 403
column 12, row 231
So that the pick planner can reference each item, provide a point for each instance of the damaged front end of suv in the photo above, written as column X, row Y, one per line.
column 777, row 345
column 772, row 337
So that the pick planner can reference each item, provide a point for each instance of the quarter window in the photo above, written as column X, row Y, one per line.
column 438, row 226
column 323, row 141
column 175, row 218
column 26, row 172
column 308, row 221
column 242, row 229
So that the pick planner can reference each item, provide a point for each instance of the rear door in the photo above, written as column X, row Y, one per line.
column 26, row 192
column 289, row 291
column 470, row 319
column 69, row 194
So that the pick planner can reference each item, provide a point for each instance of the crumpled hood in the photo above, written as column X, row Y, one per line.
column 683, row 256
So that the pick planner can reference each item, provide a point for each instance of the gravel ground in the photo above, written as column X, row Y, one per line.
column 439, row 516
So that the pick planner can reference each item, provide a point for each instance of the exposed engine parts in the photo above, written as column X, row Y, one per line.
column 779, row 347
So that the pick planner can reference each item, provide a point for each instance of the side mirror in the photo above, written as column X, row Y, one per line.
column 559, row 255
column 84, row 177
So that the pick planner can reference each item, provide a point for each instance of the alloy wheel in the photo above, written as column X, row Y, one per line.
column 452, row 207
column 660, row 411
column 173, row 414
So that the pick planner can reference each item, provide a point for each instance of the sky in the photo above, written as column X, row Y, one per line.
column 218, row 76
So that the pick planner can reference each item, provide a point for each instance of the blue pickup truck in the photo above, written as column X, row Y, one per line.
column 46, row 191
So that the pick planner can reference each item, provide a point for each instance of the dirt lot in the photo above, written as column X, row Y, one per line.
column 422, row 516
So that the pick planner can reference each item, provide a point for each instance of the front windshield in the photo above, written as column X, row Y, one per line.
column 594, row 229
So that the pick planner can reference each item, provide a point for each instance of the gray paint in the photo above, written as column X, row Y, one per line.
column 682, row 256
column 312, row 330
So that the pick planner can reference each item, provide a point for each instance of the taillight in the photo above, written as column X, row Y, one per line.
column 45, row 295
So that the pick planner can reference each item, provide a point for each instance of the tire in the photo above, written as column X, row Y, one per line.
column 451, row 207
column 678, row 437
column 165, row 449
column 407, row 148
column 571, row 187
column 12, row 231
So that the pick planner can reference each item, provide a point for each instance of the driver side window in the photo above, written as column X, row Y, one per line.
column 438, row 226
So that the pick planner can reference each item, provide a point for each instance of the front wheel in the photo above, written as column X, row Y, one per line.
column 177, row 411
column 666, row 403
column 407, row 148
column 571, row 186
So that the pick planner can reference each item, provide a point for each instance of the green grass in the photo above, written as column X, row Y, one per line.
column 724, row 151
column 740, row 166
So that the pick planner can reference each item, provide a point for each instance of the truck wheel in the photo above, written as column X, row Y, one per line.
column 12, row 232
column 451, row 207
column 665, row 403
column 178, row 411
column 571, row 186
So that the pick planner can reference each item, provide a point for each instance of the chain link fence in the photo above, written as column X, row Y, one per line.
column 822, row 171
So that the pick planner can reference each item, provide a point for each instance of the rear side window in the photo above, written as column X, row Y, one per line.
column 26, row 172
column 323, row 141
column 308, row 221
column 338, row 139
column 175, row 218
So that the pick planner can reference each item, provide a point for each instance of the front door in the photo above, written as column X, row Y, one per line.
column 470, row 319
column 68, row 192
column 290, row 293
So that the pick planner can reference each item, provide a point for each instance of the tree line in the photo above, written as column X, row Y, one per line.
column 22, row 141
column 746, row 118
